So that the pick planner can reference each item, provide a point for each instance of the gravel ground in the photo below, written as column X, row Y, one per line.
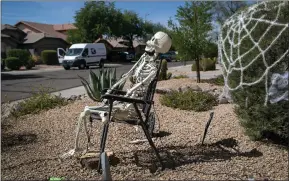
column 31, row 146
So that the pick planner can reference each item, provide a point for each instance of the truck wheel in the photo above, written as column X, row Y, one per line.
column 101, row 64
column 87, row 67
column 66, row 67
column 82, row 65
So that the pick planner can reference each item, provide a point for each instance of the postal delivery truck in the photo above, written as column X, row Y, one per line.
column 82, row 55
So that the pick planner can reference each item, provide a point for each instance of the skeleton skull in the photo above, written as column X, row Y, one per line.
column 160, row 43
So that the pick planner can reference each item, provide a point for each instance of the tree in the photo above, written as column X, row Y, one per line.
column 190, row 37
column 151, row 28
column 74, row 36
column 225, row 9
column 131, row 27
column 95, row 19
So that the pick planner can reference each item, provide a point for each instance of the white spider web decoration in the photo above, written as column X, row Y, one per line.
column 239, row 27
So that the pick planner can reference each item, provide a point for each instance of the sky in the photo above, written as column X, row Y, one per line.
column 60, row 12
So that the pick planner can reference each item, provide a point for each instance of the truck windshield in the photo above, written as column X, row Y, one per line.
column 74, row 51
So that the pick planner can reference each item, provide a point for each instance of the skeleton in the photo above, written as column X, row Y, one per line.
column 144, row 71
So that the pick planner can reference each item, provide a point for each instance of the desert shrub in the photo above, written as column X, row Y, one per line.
column 219, row 80
column 180, row 77
column 13, row 63
column 49, row 57
column 30, row 63
column 22, row 55
column 37, row 59
column 205, row 64
column 259, row 120
column 40, row 100
column 189, row 100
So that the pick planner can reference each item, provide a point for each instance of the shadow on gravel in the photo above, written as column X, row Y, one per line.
column 8, row 141
column 176, row 156
column 8, row 76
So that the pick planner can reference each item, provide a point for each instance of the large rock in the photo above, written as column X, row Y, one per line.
column 192, row 87
column 163, row 90
column 90, row 160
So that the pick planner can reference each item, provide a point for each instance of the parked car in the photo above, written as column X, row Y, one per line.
column 169, row 56
column 82, row 55
column 126, row 56
column 120, row 56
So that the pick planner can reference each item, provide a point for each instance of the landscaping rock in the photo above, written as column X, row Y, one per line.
column 223, row 100
column 195, row 87
column 90, row 160
column 73, row 98
column 163, row 90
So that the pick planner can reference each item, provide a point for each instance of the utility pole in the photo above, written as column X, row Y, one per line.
column 146, row 17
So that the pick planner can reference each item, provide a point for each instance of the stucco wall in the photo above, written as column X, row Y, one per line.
column 46, row 44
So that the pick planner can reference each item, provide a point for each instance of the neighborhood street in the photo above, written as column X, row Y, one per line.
column 19, row 85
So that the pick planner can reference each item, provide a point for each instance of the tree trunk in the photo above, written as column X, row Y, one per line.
column 196, row 49
column 131, row 44
column 198, row 69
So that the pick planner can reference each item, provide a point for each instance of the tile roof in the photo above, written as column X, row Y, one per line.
column 34, row 37
column 6, row 26
column 61, row 27
column 44, row 28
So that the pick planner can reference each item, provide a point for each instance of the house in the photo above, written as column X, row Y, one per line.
column 11, row 37
column 35, row 37
column 121, row 45
column 57, row 31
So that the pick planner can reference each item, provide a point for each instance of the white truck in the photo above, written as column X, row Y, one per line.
column 82, row 55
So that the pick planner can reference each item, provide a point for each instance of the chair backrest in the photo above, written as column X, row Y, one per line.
column 151, row 91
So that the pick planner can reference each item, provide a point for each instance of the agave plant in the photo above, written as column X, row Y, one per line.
column 105, row 79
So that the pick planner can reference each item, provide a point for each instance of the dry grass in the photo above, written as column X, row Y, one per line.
column 32, row 144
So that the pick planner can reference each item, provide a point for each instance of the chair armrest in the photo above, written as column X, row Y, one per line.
column 121, row 92
column 125, row 99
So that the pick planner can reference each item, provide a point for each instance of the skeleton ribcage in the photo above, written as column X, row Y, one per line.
column 140, row 75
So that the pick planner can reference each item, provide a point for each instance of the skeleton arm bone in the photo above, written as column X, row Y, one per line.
column 125, row 76
column 136, row 86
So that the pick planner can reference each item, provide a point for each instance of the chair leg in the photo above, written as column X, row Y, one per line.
column 104, row 136
column 149, row 137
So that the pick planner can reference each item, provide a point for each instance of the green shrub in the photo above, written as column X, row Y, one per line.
column 257, row 119
column 13, row 63
column 219, row 80
column 49, row 57
column 40, row 100
column 22, row 55
column 189, row 100
column 205, row 64
column 30, row 63
column 180, row 76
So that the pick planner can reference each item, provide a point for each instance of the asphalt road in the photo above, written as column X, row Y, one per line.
column 16, row 86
